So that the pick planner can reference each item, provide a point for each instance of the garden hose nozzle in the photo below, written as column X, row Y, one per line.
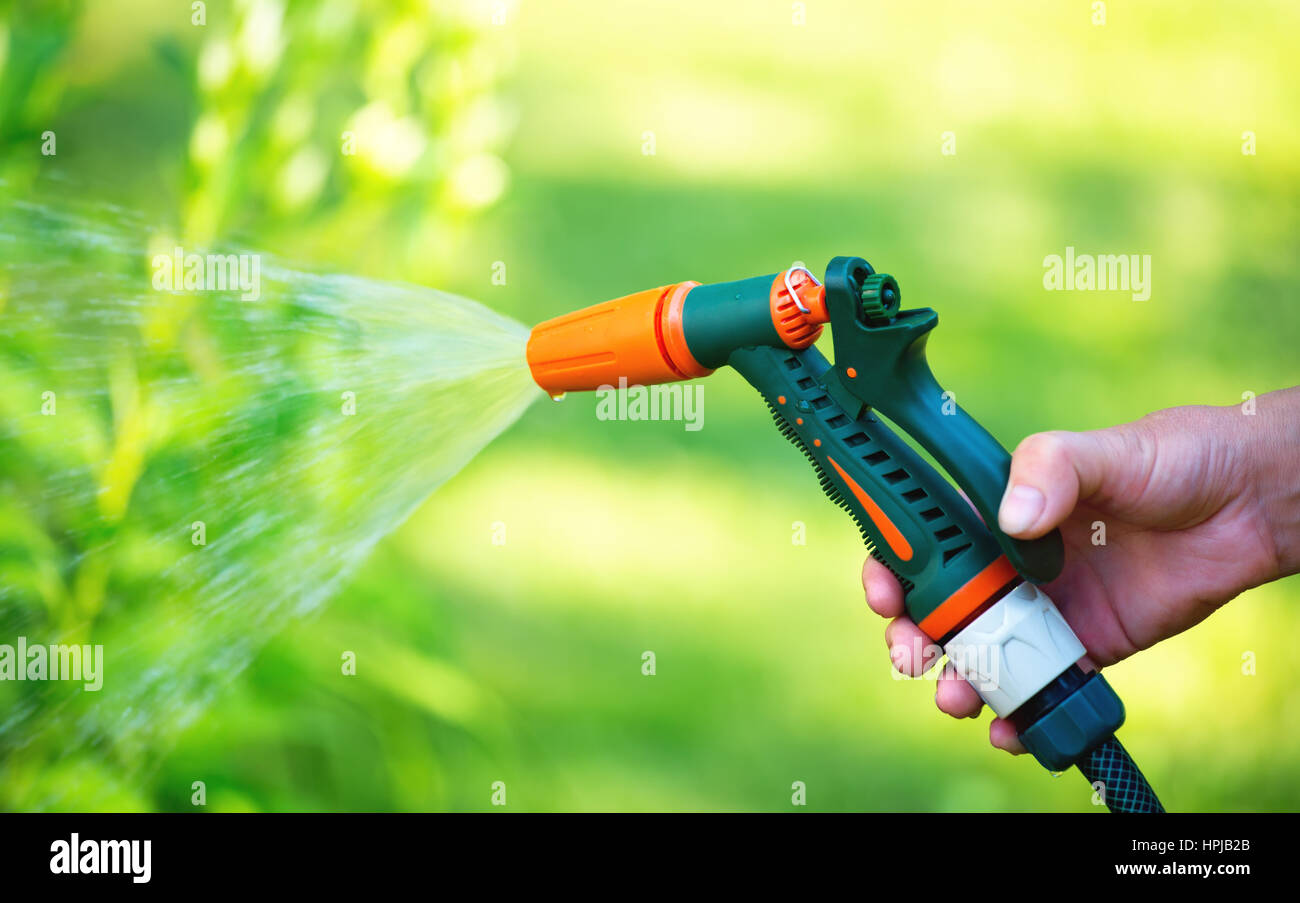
column 968, row 586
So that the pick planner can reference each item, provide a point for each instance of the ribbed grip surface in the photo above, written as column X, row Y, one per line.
column 912, row 519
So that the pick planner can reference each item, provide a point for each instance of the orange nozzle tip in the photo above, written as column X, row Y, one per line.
column 633, row 340
column 798, row 317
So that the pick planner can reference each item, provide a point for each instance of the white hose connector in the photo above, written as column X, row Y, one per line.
column 1016, row 647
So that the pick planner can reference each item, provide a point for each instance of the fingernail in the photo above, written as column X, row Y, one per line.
column 1021, row 508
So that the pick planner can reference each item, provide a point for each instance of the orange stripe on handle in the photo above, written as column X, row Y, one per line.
column 973, row 593
column 893, row 537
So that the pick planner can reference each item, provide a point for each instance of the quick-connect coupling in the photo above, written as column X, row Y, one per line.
column 1021, row 656
column 1014, row 648
column 1073, row 716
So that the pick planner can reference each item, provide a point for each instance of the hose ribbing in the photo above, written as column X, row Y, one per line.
column 1123, row 786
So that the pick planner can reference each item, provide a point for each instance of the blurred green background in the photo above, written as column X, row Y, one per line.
column 519, row 134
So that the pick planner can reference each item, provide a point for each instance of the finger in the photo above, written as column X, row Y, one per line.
column 910, row 650
column 955, row 696
column 1050, row 472
column 1002, row 734
column 884, row 592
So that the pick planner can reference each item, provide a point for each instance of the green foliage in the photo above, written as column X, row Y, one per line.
column 522, row 662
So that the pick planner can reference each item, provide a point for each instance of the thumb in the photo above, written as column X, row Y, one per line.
column 1050, row 472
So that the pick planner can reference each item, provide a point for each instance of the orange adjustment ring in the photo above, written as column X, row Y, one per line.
column 798, row 327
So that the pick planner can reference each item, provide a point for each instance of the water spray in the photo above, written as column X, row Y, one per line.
column 972, row 589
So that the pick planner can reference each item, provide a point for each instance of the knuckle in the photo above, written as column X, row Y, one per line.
column 1042, row 446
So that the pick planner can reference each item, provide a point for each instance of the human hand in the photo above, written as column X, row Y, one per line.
column 1164, row 520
